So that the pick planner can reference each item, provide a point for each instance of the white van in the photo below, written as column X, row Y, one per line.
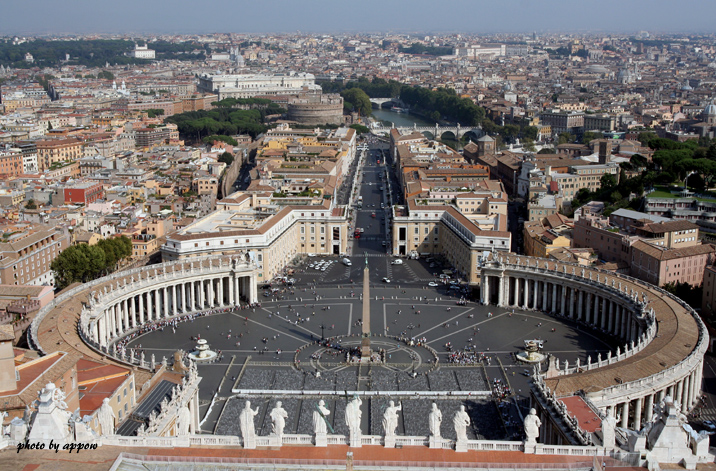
column 346, row 262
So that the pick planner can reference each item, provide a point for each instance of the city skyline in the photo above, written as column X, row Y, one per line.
column 162, row 17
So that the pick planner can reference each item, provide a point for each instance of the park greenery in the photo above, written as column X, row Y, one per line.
column 221, row 121
column 82, row 263
column 227, row 158
column 671, row 163
column 90, row 52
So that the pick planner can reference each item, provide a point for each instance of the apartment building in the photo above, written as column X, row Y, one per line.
column 432, row 229
column 50, row 152
column 26, row 252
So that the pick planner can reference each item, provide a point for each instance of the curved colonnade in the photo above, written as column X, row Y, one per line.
column 664, row 339
column 108, row 309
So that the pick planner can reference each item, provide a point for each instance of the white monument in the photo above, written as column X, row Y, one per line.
column 532, row 424
column 461, row 421
column 609, row 426
column 435, row 419
column 51, row 421
column 278, row 418
column 353, row 416
column 183, row 422
column 246, row 424
column 320, row 416
column 390, row 423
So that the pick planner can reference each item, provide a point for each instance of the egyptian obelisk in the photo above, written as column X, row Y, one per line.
column 365, row 342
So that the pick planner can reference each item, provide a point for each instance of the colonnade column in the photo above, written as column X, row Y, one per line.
column 649, row 407
column 200, row 294
column 157, row 302
column 571, row 303
column 165, row 293
column 133, row 310
column 526, row 304
column 183, row 298
column 580, row 305
column 141, row 308
column 625, row 414
column 252, row 289
column 221, row 291
column 535, row 295
column 175, row 308
column 501, row 292
column 595, row 315
column 637, row 414
column 545, row 292
column 554, row 297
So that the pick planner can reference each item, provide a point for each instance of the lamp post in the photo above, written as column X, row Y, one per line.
column 322, row 327
column 686, row 187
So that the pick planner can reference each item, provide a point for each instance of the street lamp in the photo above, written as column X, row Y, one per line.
column 686, row 187
column 322, row 327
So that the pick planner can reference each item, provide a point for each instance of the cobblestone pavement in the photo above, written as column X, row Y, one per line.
column 269, row 336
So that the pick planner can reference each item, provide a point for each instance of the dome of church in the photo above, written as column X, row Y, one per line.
column 596, row 69
column 686, row 87
column 710, row 109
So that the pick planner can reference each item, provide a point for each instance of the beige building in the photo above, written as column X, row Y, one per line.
column 51, row 151
column 442, row 229
column 267, row 232
column 28, row 251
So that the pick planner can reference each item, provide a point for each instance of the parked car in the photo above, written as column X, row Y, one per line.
column 432, row 283
column 397, row 261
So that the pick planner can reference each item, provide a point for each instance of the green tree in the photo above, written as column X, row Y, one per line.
column 154, row 112
column 565, row 138
column 227, row 158
column 31, row 204
column 607, row 181
column 105, row 74
column 358, row 100
column 360, row 129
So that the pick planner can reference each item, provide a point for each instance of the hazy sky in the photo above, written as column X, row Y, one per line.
column 469, row 16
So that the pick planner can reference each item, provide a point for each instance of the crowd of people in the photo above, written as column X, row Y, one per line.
column 500, row 390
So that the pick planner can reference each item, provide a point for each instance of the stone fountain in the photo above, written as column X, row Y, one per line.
column 202, row 352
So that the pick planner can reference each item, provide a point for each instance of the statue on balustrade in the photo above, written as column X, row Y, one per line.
column 320, row 416
column 461, row 421
column 435, row 419
column 278, row 419
column 106, row 417
column 183, row 422
column 246, row 423
column 390, row 418
column 353, row 416
column 532, row 424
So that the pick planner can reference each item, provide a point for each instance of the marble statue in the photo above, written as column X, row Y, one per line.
column 106, row 417
column 390, row 418
column 609, row 426
column 320, row 415
column 532, row 424
column 435, row 418
column 461, row 421
column 183, row 422
column 246, row 424
column 353, row 416
column 278, row 418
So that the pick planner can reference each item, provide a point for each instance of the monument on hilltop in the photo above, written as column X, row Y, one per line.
column 365, row 350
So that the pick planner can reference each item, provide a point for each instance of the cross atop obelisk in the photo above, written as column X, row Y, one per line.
column 365, row 351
